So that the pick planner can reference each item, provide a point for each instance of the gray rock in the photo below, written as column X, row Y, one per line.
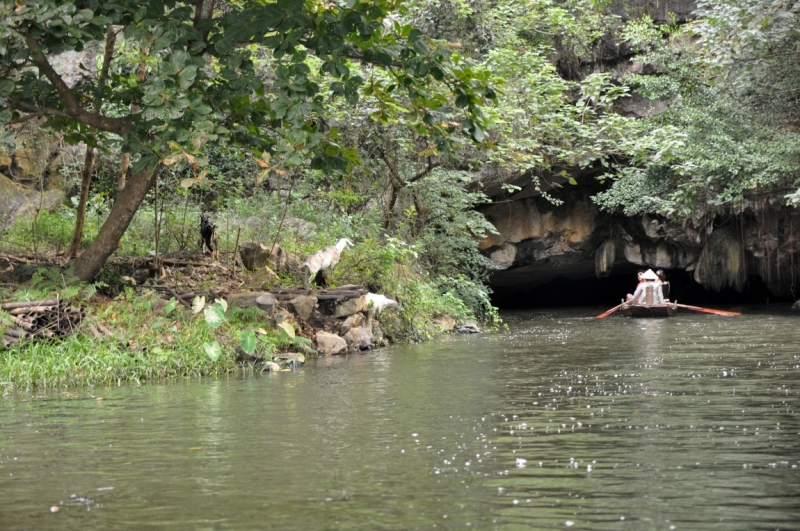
column 267, row 303
column 357, row 319
column 359, row 338
column 467, row 328
column 244, row 299
column 350, row 307
column 303, row 306
column 330, row 344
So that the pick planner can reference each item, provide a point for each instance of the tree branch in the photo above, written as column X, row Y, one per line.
column 74, row 110
column 108, row 54
column 431, row 166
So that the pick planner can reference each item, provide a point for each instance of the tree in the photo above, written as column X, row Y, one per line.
column 201, row 84
column 730, row 132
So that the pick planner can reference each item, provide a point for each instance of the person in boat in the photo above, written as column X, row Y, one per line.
column 629, row 296
column 662, row 280
column 651, row 283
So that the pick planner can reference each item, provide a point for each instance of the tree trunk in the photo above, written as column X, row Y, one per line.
column 123, row 171
column 89, row 263
column 86, row 181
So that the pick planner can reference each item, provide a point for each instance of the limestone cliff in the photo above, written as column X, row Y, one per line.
column 539, row 241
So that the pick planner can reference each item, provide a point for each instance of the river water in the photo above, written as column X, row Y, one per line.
column 556, row 423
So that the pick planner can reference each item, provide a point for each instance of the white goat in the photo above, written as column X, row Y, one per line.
column 380, row 302
column 323, row 259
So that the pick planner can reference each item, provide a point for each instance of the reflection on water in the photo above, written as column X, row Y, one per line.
column 682, row 423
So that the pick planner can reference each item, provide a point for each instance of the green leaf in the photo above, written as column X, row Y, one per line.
column 213, row 350
column 6, row 87
column 280, row 106
column 187, row 76
column 198, row 303
column 573, row 182
column 288, row 328
column 214, row 316
column 291, row 6
column 222, row 304
column 170, row 307
column 248, row 341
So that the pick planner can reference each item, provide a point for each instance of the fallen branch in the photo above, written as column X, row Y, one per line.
column 178, row 297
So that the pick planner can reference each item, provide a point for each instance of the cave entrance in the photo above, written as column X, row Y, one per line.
column 609, row 291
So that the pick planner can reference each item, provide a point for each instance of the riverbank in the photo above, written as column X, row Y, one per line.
column 142, row 337
column 153, row 332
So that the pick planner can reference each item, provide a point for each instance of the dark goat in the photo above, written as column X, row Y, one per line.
column 208, row 231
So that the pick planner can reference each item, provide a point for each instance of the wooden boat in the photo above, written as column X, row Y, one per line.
column 652, row 310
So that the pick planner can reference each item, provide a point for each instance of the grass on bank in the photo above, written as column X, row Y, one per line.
column 154, row 346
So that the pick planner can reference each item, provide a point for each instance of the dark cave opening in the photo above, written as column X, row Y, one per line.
column 609, row 291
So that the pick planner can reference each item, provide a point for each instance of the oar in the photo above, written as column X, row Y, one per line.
column 609, row 312
column 707, row 310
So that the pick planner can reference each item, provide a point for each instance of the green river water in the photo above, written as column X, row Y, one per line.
column 556, row 423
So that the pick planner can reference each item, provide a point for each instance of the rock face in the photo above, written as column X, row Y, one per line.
column 17, row 201
column 538, row 242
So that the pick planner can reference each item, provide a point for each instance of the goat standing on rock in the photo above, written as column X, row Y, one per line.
column 323, row 259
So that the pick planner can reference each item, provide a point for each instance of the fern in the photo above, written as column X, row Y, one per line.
column 245, row 315
column 47, row 282
column 71, row 292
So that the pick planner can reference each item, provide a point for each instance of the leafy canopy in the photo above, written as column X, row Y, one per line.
column 201, row 83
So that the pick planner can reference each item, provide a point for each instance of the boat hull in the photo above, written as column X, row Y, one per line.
column 658, row 310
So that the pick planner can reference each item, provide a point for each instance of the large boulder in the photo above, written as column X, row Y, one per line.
column 256, row 255
column 17, row 201
column 330, row 344
column 359, row 338
column 303, row 306
column 467, row 328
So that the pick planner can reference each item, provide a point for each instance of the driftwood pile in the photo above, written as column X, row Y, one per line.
column 44, row 318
